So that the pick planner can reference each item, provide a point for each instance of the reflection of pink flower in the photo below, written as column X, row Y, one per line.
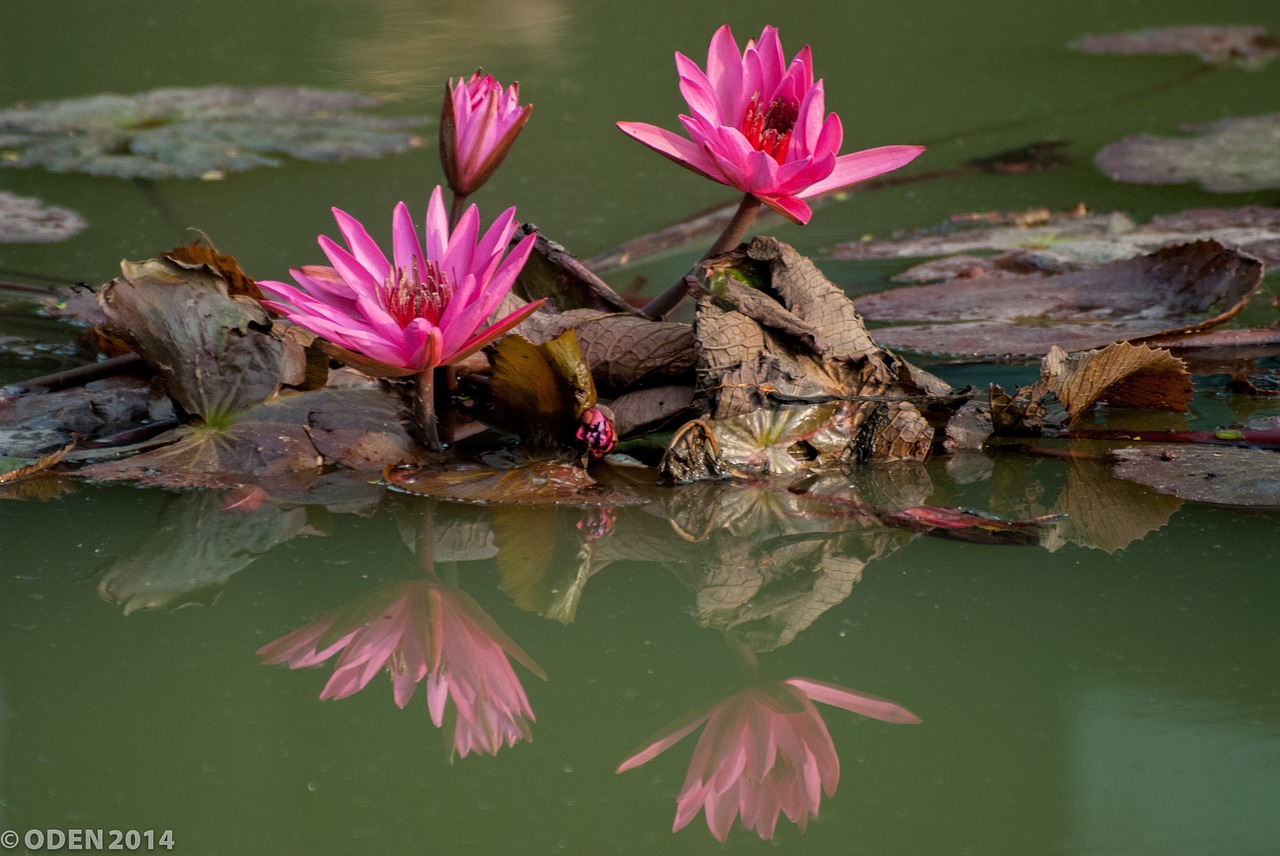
column 765, row 751
column 419, row 310
column 422, row 629
column 478, row 123
column 759, row 125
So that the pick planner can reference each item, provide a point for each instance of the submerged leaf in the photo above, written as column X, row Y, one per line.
column 24, row 219
column 1223, row 476
column 1178, row 289
column 1227, row 156
column 197, row 133
column 1251, row 46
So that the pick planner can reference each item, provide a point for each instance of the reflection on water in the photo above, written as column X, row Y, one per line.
column 765, row 752
column 406, row 47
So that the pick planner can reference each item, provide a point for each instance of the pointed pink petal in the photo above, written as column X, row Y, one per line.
column 793, row 208
column 406, row 248
column 862, row 165
column 363, row 248
column 671, row 146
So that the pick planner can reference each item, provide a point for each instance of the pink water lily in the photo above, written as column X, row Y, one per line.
column 418, row 310
column 759, row 124
column 765, row 752
column 478, row 123
column 421, row 631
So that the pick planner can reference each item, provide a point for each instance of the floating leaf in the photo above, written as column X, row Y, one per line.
column 197, row 133
column 1040, row 241
column 34, row 424
column 1227, row 156
column 210, row 350
column 274, row 441
column 1249, row 46
column 1175, row 290
column 523, row 483
column 24, row 219
column 1223, row 476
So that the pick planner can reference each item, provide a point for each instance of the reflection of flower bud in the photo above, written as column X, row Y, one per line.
column 478, row 123
column 765, row 751
column 597, row 431
column 422, row 629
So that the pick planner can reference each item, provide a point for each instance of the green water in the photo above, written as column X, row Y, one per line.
column 1075, row 700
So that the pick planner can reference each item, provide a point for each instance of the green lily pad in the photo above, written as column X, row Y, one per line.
column 1252, row 47
column 1228, row 156
column 24, row 219
column 197, row 133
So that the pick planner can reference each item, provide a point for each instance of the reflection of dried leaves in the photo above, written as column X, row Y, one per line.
column 1108, row 513
column 359, row 428
column 27, row 220
column 1250, row 46
column 543, row 559
column 1174, row 290
column 190, row 133
column 193, row 549
column 1065, row 241
column 1227, row 156
column 528, row 483
column 209, row 349
column 1223, row 476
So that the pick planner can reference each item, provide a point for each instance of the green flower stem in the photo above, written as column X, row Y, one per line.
column 456, row 208
column 729, row 238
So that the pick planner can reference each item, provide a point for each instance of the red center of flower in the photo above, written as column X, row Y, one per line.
column 407, row 295
column 769, row 130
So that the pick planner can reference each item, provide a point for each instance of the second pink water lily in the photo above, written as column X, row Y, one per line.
column 759, row 124
column 426, row 306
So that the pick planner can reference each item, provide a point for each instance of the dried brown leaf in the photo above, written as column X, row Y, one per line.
column 529, row 483
column 1120, row 374
column 553, row 272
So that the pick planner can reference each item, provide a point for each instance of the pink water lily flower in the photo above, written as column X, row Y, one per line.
column 759, row 124
column 422, row 631
column 418, row 310
column 765, row 752
column 478, row 123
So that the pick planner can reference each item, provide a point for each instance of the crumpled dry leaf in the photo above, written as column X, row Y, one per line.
column 623, row 350
column 649, row 409
column 1120, row 374
column 1252, row 47
column 210, row 350
column 1175, row 290
column 1218, row 475
column 1227, row 156
column 24, row 219
column 15, row 469
column 1055, row 242
column 811, row 349
column 197, row 133
column 35, row 424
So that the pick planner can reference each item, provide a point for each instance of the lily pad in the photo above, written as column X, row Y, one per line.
column 1042, row 241
column 1227, row 156
column 1222, row 476
column 1179, row 289
column 1252, row 47
column 24, row 219
column 199, row 132
column 210, row 350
